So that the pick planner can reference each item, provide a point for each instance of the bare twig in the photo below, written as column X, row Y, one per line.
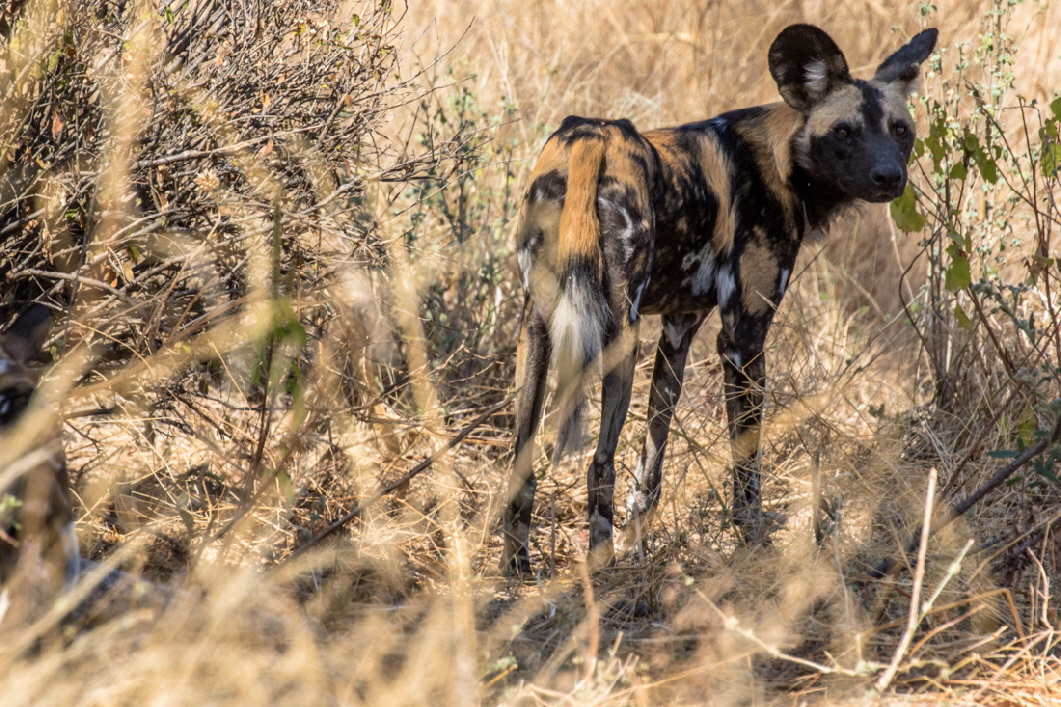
column 914, row 616
column 892, row 564
column 412, row 473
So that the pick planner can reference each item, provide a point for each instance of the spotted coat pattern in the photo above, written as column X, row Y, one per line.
column 677, row 222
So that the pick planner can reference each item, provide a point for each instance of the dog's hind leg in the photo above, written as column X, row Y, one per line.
column 532, row 367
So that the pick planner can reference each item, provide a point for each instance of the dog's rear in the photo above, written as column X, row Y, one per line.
column 584, row 254
column 579, row 314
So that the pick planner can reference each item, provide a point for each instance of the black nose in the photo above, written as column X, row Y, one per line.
column 887, row 175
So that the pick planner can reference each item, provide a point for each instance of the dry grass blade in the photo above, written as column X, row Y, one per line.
column 403, row 480
column 277, row 241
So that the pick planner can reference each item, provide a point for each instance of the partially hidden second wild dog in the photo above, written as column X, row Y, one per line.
column 39, row 552
column 618, row 224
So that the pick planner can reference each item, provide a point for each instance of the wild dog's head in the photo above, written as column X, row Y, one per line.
column 858, row 134
column 20, row 343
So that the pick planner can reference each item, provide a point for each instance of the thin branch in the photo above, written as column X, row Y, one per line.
column 892, row 564
column 412, row 473
column 914, row 616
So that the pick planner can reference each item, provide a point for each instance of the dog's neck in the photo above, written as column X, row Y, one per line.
column 821, row 203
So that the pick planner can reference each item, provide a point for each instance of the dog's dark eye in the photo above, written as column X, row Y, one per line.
column 842, row 131
column 899, row 130
column 13, row 402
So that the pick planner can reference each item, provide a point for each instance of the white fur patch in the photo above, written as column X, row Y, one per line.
column 576, row 327
column 735, row 357
column 636, row 498
column 637, row 300
column 525, row 261
column 674, row 334
column 577, row 332
column 817, row 76
column 5, row 365
column 703, row 279
column 726, row 286
column 784, row 282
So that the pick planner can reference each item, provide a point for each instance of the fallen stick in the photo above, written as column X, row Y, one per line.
column 892, row 565
column 415, row 471
column 914, row 617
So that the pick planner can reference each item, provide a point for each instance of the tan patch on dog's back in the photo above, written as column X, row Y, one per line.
column 579, row 228
column 771, row 138
column 624, row 162
column 718, row 172
column 673, row 155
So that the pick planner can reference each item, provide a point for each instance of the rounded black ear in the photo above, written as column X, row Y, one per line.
column 904, row 66
column 25, row 337
column 806, row 64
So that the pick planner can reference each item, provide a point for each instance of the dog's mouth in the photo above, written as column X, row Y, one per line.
column 874, row 194
column 885, row 195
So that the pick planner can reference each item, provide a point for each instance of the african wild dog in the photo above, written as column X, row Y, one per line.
column 619, row 224
column 38, row 544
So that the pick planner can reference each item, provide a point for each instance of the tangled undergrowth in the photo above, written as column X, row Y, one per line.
column 278, row 244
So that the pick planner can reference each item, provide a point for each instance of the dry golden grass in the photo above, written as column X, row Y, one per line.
column 210, row 482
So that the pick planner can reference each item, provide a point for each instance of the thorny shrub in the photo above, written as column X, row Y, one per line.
column 989, row 314
column 192, row 185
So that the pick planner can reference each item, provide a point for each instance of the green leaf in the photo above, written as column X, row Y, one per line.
column 1050, row 159
column 1042, row 261
column 1004, row 454
column 988, row 167
column 934, row 143
column 904, row 212
column 1044, row 468
column 1055, row 107
column 958, row 171
column 959, row 274
column 1026, row 430
column 986, row 164
column 963, row 319
column 9, row 506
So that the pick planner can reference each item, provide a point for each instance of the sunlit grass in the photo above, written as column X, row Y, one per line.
column 325, row 321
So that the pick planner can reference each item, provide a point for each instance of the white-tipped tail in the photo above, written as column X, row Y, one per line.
column 577, row 333
column 577, row 325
